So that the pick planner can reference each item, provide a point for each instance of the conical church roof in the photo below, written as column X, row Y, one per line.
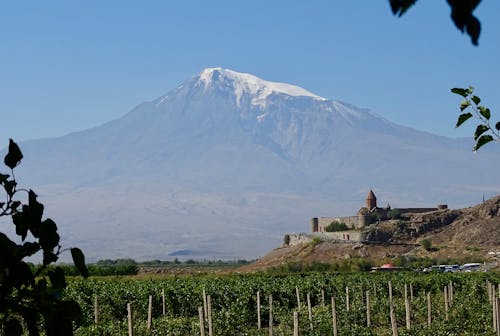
column 371, row 195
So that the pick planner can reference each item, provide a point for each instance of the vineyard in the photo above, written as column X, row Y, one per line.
column 291, row 304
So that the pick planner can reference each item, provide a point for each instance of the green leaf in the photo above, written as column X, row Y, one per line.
column 79, row 261
column 485, row 112
column 459, row 91
column 60, row 319
column 70, row 311
column 14, row 156
column 28, row 249
column 57, row 278
column 24, row 275
column 473, row 29
column 399, row 7
column 3, row 178
column 480, row 130
column 497, row 126
column 483, row 140
column 14, row 205
column 33, row 212
column 19, row 220
column 464, row 105
column 49, row 238
column 463, row 118
column 476, row 99
column 8, row 249
column 10, row 187
column 13, row 328
column 49, row 257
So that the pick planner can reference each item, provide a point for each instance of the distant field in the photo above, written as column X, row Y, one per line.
column 234, row 303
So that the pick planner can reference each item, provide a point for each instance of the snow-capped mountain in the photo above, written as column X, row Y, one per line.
column 225, row 163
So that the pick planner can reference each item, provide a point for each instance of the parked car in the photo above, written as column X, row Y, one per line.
column 451, row 268
column 470, row 267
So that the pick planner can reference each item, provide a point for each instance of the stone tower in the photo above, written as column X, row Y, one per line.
column 371, row 200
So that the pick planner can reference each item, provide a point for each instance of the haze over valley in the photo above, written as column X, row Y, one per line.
column 222, row 165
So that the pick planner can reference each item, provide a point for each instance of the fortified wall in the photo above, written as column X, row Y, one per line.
column 318, row 224
column 367, row 214
column 349, row 236
column 406, row 211
column 356, row 225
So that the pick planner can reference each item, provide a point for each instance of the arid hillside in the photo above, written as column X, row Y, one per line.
column 463, row 235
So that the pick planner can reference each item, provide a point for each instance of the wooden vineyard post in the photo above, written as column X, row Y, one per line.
column 334, row 317
column 258, row 310
column 450, row 293
column 389, row 284
column 347, row 299
column 309, row 311
column 205, row 309
column 298, row 297
column 270, row 315
column 392, row 314
column 130, row 321
column 150, row 312
column 498, row 315
column 96, row 310
column 445, row 294
column 494, row 308
column 429, row 309
column 295, row 324
column 322, row 297
column 394, row 325
column 488, row 289
column 209, row 311
column 163, row 301
column 407, row 309
column 202, row 321
column 368, row 319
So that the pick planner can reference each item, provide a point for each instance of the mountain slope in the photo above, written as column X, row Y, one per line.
column 226, row 162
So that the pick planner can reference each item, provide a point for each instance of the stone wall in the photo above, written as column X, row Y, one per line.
column 341, row 236
column 356, row 236
column 351, row 222
column 414, row 210
column 299, row 238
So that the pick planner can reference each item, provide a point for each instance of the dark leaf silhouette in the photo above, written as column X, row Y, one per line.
column 14, row 156
column 28, row 306
column 79, row 261
column 399, row 7
column 461, row 15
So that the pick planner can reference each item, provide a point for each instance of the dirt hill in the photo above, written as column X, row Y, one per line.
column 463, row 235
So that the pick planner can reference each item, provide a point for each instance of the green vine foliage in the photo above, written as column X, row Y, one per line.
column 487, row 130
column 30, row 301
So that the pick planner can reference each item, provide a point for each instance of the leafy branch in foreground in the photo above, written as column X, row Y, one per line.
column 485, row 131
column 461, row 15
column 29, row 302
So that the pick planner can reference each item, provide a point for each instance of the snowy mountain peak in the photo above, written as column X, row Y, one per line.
column 253, row 86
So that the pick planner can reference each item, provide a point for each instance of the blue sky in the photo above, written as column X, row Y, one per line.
column 69, row 65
